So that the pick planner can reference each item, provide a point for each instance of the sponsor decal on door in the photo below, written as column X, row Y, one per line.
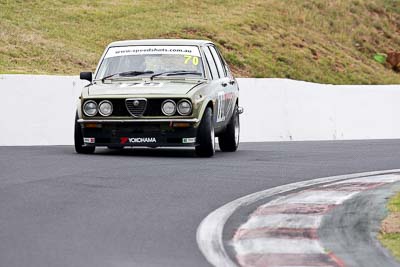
column 225, row 101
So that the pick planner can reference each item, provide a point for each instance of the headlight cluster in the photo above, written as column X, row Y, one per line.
column 90, row 108
column 169, row 107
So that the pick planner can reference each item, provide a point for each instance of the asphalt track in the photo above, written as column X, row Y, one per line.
column 142, row 207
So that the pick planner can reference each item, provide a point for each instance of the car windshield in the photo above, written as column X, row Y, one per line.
column 184, row 61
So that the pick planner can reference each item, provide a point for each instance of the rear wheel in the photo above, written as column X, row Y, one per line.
column 206, row 135
column 229, row 139
column 78, row 138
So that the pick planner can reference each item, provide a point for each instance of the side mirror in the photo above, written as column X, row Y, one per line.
column 86, row 76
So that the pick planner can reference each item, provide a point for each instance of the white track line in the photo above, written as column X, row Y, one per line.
column 209, row 232
column 299, row 221
column 278, row 245
column 374, row 179
column 315, row 197
column 301, row 266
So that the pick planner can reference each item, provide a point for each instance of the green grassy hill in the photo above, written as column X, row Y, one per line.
column 316, row 40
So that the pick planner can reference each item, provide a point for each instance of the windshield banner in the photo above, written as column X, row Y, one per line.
column 151, row 50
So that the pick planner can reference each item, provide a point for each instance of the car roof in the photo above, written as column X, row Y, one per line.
column 161, row 42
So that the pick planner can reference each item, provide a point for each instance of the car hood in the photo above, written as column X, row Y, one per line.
column 143, row 88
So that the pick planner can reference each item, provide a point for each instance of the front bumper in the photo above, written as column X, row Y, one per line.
column 117, row 121
column 121, row 133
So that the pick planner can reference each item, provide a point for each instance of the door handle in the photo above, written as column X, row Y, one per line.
column 224, row 84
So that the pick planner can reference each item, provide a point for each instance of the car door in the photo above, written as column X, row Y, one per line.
column 226, row 96
column 233, row 87
column 216, row 84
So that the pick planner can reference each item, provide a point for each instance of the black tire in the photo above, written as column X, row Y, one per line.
column 206, row 135
column 229, row 139
column 78, row 140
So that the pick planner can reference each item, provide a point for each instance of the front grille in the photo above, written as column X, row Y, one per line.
column 136, row 106
column 124, row 107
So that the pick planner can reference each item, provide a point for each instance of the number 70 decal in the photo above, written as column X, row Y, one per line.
column 194, row 60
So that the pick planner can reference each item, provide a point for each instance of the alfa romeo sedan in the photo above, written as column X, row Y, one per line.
column 157, row 93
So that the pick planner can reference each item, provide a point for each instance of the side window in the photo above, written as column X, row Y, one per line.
column 217, row 59
column 226, row 68
column 207, row 66
column 211, row 63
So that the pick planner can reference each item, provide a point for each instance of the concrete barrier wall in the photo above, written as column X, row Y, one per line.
column 40, row 110
column 280, row 109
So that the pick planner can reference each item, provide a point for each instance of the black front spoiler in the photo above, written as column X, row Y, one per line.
column 146, row 135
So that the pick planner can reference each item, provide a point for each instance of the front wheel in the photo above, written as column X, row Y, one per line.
column 229, row 139
column 206, row 135
column 78, row 138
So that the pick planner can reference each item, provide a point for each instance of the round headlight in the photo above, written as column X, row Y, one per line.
column 168, row 107
column 184, row 107
column 90, row 108
column 105, row 108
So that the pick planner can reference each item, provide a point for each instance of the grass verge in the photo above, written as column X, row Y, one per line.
column 390, row 232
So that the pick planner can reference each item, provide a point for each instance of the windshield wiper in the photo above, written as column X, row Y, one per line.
column 127, row 74
column 175, row 73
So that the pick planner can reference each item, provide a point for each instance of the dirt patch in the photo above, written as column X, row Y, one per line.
column 391, row 224
column 393, row 59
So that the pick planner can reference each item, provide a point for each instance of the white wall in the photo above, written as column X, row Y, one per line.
column 281, row 109
column 40, row 110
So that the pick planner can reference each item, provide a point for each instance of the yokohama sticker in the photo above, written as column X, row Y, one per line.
column 137, row 140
